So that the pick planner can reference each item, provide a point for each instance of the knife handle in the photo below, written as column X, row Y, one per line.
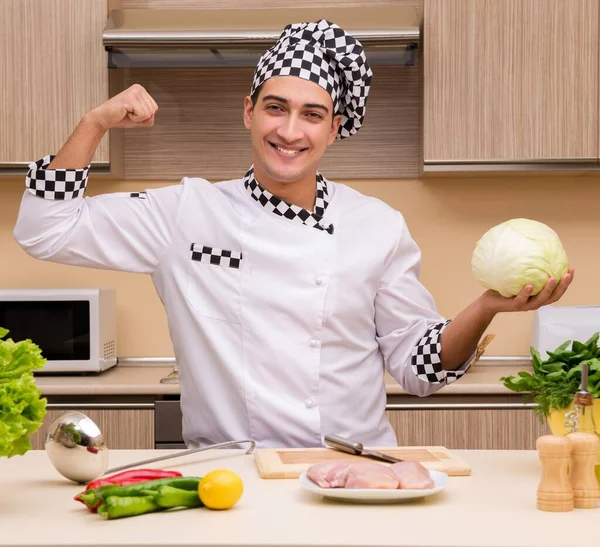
column 345, row 445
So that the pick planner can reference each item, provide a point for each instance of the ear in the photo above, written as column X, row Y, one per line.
column 248, row 111
column 335, row 126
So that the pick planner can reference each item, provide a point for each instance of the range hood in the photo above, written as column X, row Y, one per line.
column 238, row 37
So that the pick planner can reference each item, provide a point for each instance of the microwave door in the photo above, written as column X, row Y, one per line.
column 60, row 328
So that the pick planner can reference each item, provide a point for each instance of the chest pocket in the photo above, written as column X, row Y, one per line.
column 214, row 282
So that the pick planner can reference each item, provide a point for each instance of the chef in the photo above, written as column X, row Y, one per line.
column 287, row 295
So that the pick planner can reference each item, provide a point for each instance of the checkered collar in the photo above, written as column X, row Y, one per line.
column 287, row 210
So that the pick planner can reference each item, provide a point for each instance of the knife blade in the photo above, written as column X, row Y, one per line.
column 351, row 447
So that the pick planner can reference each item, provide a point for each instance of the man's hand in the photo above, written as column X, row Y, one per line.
column 133, row 107
column 552, row 292
column 460, row 338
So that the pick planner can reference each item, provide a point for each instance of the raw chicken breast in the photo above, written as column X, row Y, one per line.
column 352, row 475
column 412, row 475
column 371, row 475
column 326, row 473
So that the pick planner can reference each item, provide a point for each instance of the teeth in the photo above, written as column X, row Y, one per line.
column 286, row 151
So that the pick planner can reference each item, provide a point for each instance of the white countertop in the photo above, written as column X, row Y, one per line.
column 145, row 380
column 496, row 506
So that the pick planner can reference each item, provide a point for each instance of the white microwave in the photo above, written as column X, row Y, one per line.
column 74, row 328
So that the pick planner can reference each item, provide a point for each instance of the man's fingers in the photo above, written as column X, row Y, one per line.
column 153, row 102
column 148, row 103
column 144, row 108
column 562, row 287
column 148, row 122
column 145, row 99
column 140, row 105
column 520, row 301
column 139, row 112
column 137, row 117
column 544, row 295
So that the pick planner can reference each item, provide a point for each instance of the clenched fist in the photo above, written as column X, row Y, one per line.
column 133, row 107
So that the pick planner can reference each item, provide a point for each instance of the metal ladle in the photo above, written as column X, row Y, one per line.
column 76, row 448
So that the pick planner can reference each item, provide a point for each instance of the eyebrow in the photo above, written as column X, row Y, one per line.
column 285, row 101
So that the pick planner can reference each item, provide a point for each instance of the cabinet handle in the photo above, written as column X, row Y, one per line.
column 460, row 406
column 22, row 167
column 100, row 406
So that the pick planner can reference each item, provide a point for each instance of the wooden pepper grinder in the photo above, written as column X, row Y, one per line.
column 554, row 492
column 584, row 452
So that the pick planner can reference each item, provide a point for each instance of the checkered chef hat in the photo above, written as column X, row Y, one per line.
column 323, row 53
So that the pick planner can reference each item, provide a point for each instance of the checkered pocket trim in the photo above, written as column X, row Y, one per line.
column 216, row 257
column 138, row 195
column 55, row 183
column 426, row 361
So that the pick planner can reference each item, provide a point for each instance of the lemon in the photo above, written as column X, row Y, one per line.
column 220, row 489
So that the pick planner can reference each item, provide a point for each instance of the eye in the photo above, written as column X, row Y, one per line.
column 315, row 115
column 274, row 108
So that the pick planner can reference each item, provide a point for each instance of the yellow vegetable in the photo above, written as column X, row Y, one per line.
column 220, row 489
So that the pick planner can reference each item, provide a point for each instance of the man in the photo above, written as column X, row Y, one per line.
column 286, row 294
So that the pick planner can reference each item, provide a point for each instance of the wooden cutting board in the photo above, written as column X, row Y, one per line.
column 290, row 463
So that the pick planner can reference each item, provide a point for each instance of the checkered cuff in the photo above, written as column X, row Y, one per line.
column 426, row 362
column 55, row 183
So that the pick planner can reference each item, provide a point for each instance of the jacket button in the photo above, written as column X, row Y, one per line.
column 309, row 403
column 319, row 280
column 314, row 343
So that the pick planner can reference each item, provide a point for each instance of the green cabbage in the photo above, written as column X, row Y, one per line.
column 21, row 408
column 517, row 253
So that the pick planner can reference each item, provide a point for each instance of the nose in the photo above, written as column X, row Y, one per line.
column 290, row 129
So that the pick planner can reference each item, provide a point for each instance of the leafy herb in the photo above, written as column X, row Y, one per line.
column 21, row 408
column 555, row 381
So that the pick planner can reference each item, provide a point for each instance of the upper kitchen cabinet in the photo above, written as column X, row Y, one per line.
column 510, row 81
column 54, row 70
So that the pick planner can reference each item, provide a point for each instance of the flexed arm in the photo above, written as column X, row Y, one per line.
column 133, row 107
column 121, row 231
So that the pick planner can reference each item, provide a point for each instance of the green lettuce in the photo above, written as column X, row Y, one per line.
column 555, row 380
column 22, row 410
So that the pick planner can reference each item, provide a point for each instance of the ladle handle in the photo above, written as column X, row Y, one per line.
column 184, row 453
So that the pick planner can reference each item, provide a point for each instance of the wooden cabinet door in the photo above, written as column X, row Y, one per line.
column 122, row 429
column 481, row 429
column 53, row 71
column 510, row 81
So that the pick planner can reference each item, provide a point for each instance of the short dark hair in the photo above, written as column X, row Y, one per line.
column 254, row 96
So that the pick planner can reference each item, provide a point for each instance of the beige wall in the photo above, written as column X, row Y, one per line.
column 446, row 217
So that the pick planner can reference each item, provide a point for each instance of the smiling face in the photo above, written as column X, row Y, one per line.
column 291, row 125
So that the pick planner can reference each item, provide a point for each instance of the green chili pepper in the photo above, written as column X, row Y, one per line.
column 184, row 483
column 116, row 507
column 167, row 497
column 89, row 498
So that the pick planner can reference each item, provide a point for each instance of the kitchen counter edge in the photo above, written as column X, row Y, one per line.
column 142, row 379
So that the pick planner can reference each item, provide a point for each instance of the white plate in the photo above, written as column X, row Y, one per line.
column 376, row 495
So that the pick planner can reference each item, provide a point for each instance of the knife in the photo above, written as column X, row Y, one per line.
column 350, row 447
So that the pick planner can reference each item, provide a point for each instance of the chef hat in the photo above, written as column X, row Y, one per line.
column 323, row 53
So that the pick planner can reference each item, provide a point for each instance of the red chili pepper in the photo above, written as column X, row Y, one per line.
column 137, row 474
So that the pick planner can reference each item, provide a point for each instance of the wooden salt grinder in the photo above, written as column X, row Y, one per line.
column 584, row 453
column 554, row 492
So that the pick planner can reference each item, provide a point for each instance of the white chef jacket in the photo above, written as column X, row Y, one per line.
column 282, row 338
